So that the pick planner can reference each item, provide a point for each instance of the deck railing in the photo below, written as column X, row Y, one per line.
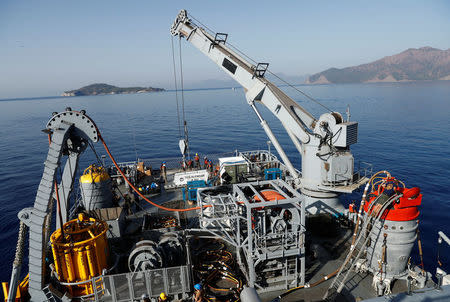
column 174, row 281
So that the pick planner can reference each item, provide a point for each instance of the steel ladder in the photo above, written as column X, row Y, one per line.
column 359, row 247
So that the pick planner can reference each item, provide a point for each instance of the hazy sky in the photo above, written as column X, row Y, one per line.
column 47, row 47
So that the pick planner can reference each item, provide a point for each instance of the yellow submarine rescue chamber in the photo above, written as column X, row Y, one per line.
column 81, row 255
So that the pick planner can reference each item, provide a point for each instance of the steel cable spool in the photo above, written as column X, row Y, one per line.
column 172, row 248
column 145, row 255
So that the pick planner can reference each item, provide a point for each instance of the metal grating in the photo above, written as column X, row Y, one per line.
column 131, row 286
column 352, row 133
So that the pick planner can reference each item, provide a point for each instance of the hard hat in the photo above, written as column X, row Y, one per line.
column 198, row 286
column 196, row 153
column 163, row 296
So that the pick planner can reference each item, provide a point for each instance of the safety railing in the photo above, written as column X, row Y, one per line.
column 440, row 273
column 257, row 156
column 174, row 162
column 264, row 158
column 363, row 171
column 131, row 286
column 443, row 237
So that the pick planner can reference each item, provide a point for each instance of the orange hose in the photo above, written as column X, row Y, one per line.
column 137, row 191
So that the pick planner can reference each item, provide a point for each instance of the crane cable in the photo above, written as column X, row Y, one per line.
column 137, row 191
column 185, row 128
column 181, row 80
column 176, row 89
column 252, row 60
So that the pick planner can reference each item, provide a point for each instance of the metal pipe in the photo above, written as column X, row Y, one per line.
column 251, row 268
column 381, row 288
column 275, row 143
column 249, row 294
column 439, row 281
column 408, row 284
column 444, row 237
column 294, row 140
column 419, row 244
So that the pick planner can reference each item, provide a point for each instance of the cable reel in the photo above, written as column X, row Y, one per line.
column 144, row 256
column 172, row 248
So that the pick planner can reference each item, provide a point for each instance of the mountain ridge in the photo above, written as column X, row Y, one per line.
column 414, row 64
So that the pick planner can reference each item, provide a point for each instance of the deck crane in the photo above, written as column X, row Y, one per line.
column 324, row 144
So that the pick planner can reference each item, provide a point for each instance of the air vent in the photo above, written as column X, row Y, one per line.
column 352, row 133
column 345, row 134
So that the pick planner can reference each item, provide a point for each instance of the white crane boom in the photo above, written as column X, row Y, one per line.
column 327, row 164
column 251, row 78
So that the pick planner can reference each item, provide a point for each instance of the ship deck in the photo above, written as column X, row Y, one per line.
column 327, row 242
column 327, row 252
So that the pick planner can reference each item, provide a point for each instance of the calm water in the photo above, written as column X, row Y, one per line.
column 404, row 128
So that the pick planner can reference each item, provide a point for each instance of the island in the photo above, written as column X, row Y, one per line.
column 102, row 89
column 422, row 64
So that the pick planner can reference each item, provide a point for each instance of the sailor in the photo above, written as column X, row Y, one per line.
column 210, row 166
column 196, row 161
column 163, row 171
column 115, row 198
column 162, row 297
column 216, row 171
column 133, row 176
column 127, row 203
column 189, row 164
column 198, row 293
column 206, row 162
column 153, row 187
column 145, row 298
column 127, row 175
column 389, row 187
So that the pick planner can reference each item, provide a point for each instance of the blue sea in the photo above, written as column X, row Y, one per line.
column 403, row 128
